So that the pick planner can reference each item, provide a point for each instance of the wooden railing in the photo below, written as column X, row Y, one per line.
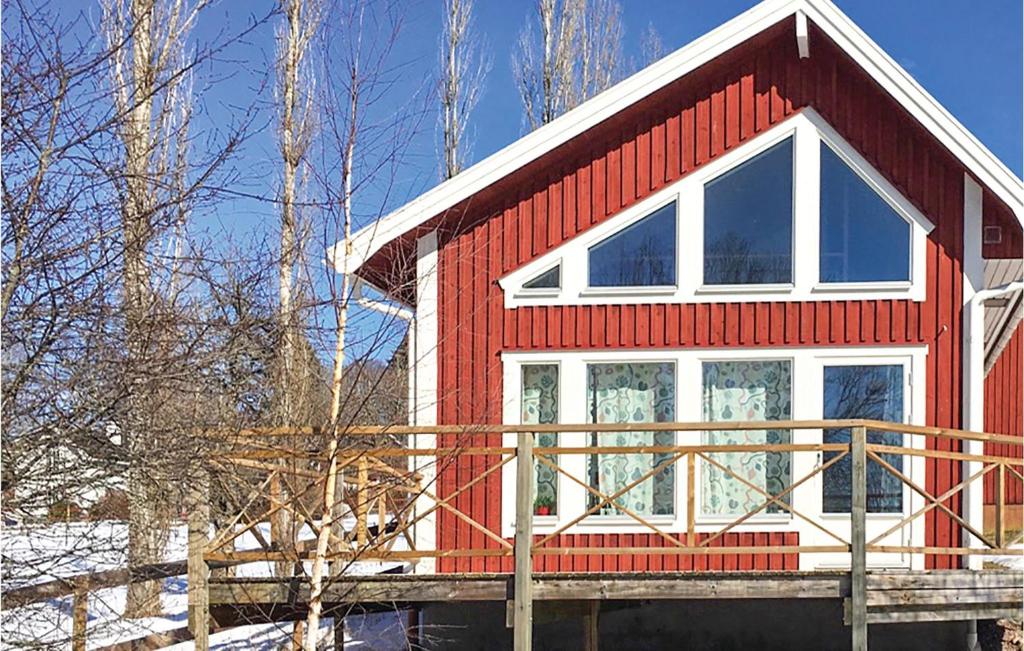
column 78, row 588
column 387, row 489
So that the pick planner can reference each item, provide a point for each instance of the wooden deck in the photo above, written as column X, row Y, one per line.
column 275, row 482
column 892, row 596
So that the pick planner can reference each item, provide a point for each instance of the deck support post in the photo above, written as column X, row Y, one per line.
column 522, row 632
column 198, row 572
column 858, row 555
column 590, row 638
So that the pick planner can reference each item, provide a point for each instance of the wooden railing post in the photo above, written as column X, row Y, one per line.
column 79, row 618
column 858, row 556
column 1001, row 506
column 198, row 572
column 279, row 529
column 691, row 515
column 362, row 500
column 523, row 616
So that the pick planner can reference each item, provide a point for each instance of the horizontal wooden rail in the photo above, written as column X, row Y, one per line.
column 404, row 430
column 78, row 587
column 66, row 586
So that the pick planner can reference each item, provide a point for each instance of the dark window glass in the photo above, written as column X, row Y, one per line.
column 642, row 254
column 875, row 393
column 748, row 221
column 862, row 237
column 550, row 279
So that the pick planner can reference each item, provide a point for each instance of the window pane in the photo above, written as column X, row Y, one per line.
column 870, row 392
column 748, row 221
column 745, row 391
column 550, row 279
column 642, row 254
column 862, row 237
column 539, row 405
column 632, row 393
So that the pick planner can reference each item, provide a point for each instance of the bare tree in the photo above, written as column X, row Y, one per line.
column 463, row 67
column 580, row 46
column 651, row 46
column 148, row 80
column 295, row 94
column 362, row 144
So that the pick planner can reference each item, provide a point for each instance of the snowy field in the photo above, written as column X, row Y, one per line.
column 1009, row 562
column 38, row 554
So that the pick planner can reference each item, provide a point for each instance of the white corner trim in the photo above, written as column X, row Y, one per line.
column 882, row 68
column 808, row 129
column 973, row 343
column 802, row 42
column 423, row 388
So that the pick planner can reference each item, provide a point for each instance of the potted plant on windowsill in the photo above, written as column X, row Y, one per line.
column 542, row 506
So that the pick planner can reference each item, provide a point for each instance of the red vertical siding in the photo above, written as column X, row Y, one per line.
column 620, row 162
column 1004, row 411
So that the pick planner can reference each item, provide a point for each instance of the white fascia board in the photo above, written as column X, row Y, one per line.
column 844, row 32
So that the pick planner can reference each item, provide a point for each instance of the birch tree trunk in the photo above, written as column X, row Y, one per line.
column 463, row 66
column 146, row 39
column 580, row 55
column 340, row 301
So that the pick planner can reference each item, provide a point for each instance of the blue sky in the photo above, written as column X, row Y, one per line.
column 968, row 55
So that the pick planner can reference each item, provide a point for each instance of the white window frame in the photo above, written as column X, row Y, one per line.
column 808, row 130
column 544, row 291
column 807, row 382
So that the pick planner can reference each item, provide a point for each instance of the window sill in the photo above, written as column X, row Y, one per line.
column 775, row 518
column 867, row 516
column 653, row 290
column 625, row 521
column 538, row 293
column 899, row 286
column 776, row 288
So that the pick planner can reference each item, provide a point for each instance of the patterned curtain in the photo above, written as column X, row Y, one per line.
column 539, row 405
column 871, row 392
column 632, row 393
column 745, row 391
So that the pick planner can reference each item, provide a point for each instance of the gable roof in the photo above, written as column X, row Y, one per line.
column 882, row 69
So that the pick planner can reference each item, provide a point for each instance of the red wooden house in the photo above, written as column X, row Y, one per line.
column 775, row 222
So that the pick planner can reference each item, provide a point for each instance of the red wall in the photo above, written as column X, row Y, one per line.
column 1004, row 412
column 625, row 159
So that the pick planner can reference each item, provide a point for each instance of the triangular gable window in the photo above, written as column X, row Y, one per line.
column 550, row 279
column 863, row 238
column 641, row 255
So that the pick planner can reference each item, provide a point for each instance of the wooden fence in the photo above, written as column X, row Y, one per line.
column 385, row 491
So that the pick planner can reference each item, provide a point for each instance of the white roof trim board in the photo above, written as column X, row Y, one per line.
column 978, row 160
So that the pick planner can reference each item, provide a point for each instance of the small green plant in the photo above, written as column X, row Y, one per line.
column 542, row 505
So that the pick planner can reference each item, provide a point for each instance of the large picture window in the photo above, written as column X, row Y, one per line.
column 641, row 255
column 632, row 393
column 863, row 239
column 745, row 391
column 872, row 392
column 539, row 405
column 748, row 221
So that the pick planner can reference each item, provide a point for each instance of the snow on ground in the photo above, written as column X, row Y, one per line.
column 42, row 553
column 1015, row 562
